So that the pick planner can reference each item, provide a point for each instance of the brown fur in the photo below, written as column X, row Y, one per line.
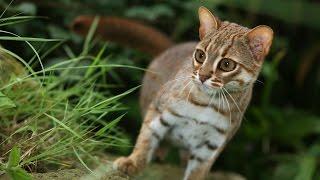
column 134, row 34
column 173, row 108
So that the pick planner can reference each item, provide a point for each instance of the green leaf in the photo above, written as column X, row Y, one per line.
column 307, row 168
column 19, row 174
column 14, row 157
column 285, row 170
column 5, row 102
column 27, row 8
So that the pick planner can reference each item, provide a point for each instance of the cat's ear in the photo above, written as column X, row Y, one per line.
column 260, row 40
column 208, row 22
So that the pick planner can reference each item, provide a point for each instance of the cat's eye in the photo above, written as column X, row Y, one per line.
column 200, row 56
column 227, row 65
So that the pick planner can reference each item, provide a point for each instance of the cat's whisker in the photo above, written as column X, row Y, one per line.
column 223, row 103
column 219, row 101
column 236, row 104
column 190, row 91
column 233, row 100
column 185, row 87
column 182, row 88
column 228, row 105
column 259, row 81
column 176, row 79
column 174, row 85
column 212, row 97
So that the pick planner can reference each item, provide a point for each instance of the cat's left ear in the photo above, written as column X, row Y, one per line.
column 260, row 40
column 208, row 22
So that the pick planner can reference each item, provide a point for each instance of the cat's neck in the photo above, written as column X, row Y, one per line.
column 229, row 94
column 225, row 100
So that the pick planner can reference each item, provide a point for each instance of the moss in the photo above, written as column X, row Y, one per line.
column 76, row 174
column 154, row 172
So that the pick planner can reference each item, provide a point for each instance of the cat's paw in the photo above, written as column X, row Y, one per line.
column 125, row 165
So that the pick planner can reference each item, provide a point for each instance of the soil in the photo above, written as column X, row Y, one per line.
column 154, row 172
column 105, row 172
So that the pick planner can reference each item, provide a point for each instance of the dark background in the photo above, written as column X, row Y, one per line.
column 279, row 137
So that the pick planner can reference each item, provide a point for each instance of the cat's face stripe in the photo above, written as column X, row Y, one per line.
column 229, row 41
column 224, row 43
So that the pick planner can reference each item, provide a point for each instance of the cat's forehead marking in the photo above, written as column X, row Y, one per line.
column 226, row 35
column 225, row 43
column 228, row 42
column 204, row 44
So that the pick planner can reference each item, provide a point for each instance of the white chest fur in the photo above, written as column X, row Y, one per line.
column 197, row 125
column 192, row 125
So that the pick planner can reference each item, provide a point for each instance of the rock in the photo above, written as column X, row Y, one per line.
column 154, row 172
column 70, row 174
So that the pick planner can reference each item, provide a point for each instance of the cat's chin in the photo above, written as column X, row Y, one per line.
column 207, row 89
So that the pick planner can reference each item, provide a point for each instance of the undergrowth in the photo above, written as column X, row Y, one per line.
column 61, row 116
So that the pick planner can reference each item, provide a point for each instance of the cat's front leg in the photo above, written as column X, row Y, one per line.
column 152, row 131
column 197, row 168
column 201, row 159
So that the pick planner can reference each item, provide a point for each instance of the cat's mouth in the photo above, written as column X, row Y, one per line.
column 209, row 86
column 216, row 85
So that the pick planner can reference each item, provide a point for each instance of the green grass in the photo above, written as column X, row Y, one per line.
column 58, row 117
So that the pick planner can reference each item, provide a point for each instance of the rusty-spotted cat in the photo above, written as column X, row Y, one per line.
column 200, row 93
column 194, row 94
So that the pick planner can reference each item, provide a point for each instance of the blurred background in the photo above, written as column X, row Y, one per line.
column 280, row 135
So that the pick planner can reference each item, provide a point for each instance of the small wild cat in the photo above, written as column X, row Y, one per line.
column 199, row 93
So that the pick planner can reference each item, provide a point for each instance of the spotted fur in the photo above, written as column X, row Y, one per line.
column 197, row 105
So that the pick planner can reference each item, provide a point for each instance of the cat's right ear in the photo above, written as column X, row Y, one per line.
column 208, row 22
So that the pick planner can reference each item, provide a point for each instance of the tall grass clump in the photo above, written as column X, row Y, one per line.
column 60, row 116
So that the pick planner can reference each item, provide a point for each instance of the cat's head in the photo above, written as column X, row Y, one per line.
column 228, row 55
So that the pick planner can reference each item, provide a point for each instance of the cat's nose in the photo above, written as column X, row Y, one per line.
column 203, row 78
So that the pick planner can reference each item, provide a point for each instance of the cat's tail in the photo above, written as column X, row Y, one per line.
column 126, row 32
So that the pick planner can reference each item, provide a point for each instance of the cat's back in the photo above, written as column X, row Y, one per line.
column 162, row 69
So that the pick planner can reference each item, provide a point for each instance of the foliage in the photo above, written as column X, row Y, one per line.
column 58, row 115
column 279, row 138
column 13, row 168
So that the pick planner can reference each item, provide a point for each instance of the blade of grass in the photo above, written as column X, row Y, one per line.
column 109, row 125
column 30, row 39
column 5, row 10
column 63, row 125
column 81, row 160
column 30, row 45
column 96, row 60
column 90, row 35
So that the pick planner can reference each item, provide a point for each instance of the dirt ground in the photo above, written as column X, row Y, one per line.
column 154, row 172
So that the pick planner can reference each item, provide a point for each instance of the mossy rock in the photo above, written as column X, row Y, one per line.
column 154, row 172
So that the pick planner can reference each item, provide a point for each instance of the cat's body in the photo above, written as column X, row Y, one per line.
column 191, row 114
column 195, row 94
